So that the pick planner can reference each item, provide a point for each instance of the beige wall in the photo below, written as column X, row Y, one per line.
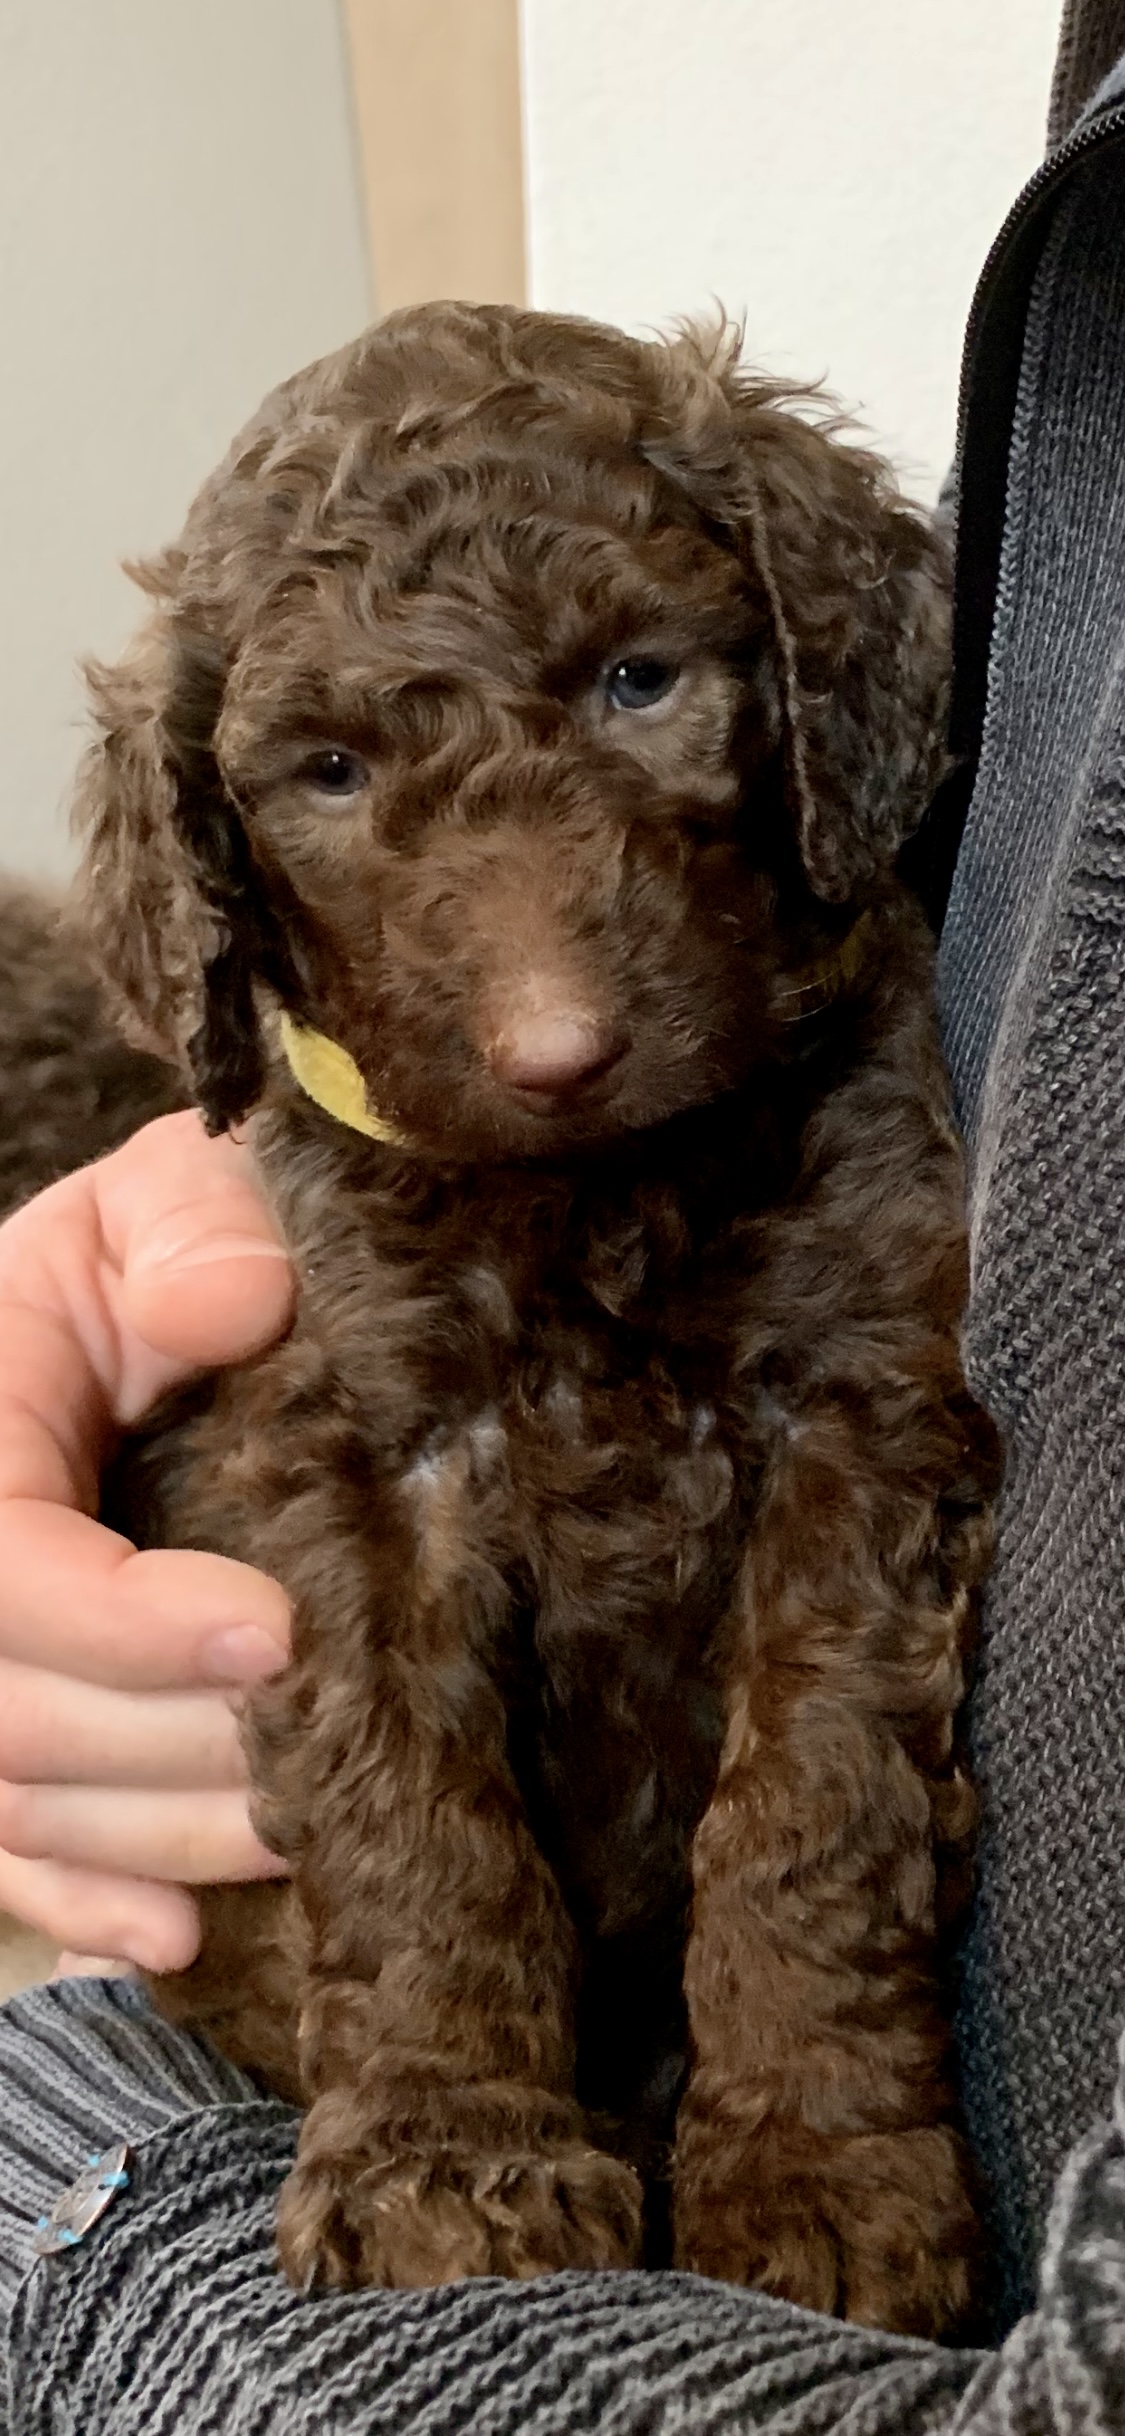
column 834, row 169
column 180, row 225
column 188, row 191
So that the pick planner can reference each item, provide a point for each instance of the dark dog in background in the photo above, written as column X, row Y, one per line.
column 70, row 1087
column 529, row 718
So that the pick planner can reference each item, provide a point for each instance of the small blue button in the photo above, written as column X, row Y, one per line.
column 81, row 2205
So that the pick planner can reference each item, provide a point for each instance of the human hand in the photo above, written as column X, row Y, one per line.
column 121, row 1778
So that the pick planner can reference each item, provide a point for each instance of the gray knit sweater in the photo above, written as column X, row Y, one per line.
column 1033, row 983
column 170, row 2315
column 171, row 2319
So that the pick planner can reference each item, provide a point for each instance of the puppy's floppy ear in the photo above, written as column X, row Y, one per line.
column 857, row 586
column 166, row 892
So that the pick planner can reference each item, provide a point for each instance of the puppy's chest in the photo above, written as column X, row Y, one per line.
column 562, row 1395
column 604, row 1458
column 566, row 1411
column 604, row 1482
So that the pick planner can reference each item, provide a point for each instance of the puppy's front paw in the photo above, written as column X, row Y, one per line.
column 432, row 2218
column 880, row 2228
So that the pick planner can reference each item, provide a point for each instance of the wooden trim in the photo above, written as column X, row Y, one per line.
column 437, row 102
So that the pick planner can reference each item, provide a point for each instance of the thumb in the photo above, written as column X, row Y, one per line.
column 203, row 1278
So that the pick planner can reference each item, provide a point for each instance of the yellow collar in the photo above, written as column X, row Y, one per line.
column 816, row 985
column 333, row 1080
column 330, row 1077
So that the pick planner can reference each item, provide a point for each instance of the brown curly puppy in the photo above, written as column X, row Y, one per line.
column 533, row 714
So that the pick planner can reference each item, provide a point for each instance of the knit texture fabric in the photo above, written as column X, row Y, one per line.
column 171, row 2314
column 1033, row 981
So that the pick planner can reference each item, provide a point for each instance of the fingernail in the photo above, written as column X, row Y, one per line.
column 189, row 1252
column 242, row 1654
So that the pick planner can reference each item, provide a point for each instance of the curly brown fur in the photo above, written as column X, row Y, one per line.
column 70, row 1087
column 620, row 1464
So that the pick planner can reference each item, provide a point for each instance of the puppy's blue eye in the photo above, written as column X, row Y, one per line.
column 638, row 684
column 335, row 772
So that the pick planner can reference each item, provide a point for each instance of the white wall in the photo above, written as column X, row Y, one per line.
column 180, row 226
column 834, row 169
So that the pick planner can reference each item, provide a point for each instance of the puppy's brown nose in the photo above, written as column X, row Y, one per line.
column 553, row 1052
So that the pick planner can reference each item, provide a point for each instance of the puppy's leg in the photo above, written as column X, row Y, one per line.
column 817, row 2153
column 443, row 2137
column 241, row 1990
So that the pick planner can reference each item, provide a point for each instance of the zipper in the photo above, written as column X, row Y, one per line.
column 982, row 454
column 990, row 372
column 1049, row 174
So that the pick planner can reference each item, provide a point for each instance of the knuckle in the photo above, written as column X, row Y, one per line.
column 26, row 1894
column 20, row 1819
column 28, row 1722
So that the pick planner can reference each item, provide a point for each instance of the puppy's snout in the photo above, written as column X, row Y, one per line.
column 553, row 1051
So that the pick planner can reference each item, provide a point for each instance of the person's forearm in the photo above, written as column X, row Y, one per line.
column 172, row 2312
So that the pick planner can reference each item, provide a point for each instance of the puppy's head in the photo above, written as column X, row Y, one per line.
column 521, row 702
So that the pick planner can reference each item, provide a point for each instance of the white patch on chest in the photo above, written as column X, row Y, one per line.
column 439, row 1488
column 562, row 1405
